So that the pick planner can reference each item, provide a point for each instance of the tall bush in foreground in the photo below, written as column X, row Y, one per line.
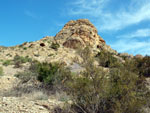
column 126, row 94
column 98, row 91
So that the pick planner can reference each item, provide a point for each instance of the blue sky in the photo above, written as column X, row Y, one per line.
column 123, row 24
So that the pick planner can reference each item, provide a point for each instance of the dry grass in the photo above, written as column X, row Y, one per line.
column 36, row 95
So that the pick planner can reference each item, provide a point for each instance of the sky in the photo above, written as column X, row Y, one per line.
column 123, row 24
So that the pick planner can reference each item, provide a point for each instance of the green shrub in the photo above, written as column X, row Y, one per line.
column 1, row 60
column 1, row 71
column 7, row 62
column 131, row 65
column 143, row 65
column 22, row 59
column 50, row 73
column 18, row 60
column 47, row 72
column 55, row 46
column 9, row 55
column 125, row 94
column 106, row 59
column 24, row 48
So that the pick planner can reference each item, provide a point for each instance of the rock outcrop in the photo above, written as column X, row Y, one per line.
column 138, row 56
column 79, row 33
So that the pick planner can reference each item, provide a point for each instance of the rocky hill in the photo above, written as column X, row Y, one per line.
column 75, row 34
column 62, row 48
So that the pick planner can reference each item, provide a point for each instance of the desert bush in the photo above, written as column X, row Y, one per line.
column 50, row 73
column 88, row 92
column 7, row 62
column 1, row 60
column 9, row 55
column 22, row 59
column 106, row 59
column 47, row 72
column 43, row 77
column 144, row 66
column 18, row 60
column 97, row 91
column 24, row 48
column 141, row 66
column 131, row 65
column 28, row 85
column 55, row 46
column 1, row 71
column 126, row 94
